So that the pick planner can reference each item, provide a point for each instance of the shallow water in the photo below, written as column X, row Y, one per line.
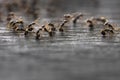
column 78, row 54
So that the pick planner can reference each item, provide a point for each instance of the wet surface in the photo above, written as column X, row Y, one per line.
column 78, row 54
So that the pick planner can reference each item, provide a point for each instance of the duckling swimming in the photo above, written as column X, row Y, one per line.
column 38, row 33
column 77, row 17
column 90, row 24
column 50, row 29
column 109, row 26
column 61, row 28
column 29, row 28
column 107, row 32
column 68, row 17
column 99, row 20
column 19, row 26
column 16, row 25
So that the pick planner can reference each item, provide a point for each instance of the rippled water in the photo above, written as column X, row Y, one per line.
column 78, row 54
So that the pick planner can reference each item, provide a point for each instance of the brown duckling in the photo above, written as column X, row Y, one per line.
column 16, row 25
column 50, row 29
column 90, row 23
column 107, row 32
column 109, row 26
column 61, row 28
column 29, row 28
column 102, row 20
column 19, row 26
column 68, row 17
column 38, row 33
column 77, row 17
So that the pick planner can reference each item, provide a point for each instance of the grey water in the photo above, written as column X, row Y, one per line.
column 78, row 54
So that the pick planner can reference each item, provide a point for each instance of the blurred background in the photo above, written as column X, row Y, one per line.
column 54, row 8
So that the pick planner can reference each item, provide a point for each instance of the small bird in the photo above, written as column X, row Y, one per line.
column 61, row 28
column 50, row 29
column 77, row 17
column 29, row 28
column 38, row 34
column 107, row 32
column 109, row 26
column 68, row 17
column 99, row 20
column 90, row 24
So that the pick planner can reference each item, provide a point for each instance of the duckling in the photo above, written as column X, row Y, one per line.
column 38, row 34
column 110, row 26
column 62, row 25
column 102, row 20
column 90, row 23
column 19, row 26
column 106, row 32
column 11, row 23
column 29, row 28
column 50, row 29
column 76, row 18
column 68, row 17
column 16, row 25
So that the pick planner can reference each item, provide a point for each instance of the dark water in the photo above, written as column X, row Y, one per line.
column 77, row 55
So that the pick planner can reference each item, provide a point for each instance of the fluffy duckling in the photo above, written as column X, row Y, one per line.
column 90, row 24
column 61, row 28
column 16, row 25
column 107, row 32
column 29, row 28
column 19, row 26
column 100, row 20
column 38, row 33
column 109, row 26
column 50, row 29
column 68, row 17
column 77, row 17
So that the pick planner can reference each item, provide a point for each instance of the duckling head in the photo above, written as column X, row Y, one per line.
column 108, row 25
column 68, row 16
column 52, row 27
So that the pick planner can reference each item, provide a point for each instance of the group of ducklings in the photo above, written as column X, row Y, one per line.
column 108, row 29
column 17, row 24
